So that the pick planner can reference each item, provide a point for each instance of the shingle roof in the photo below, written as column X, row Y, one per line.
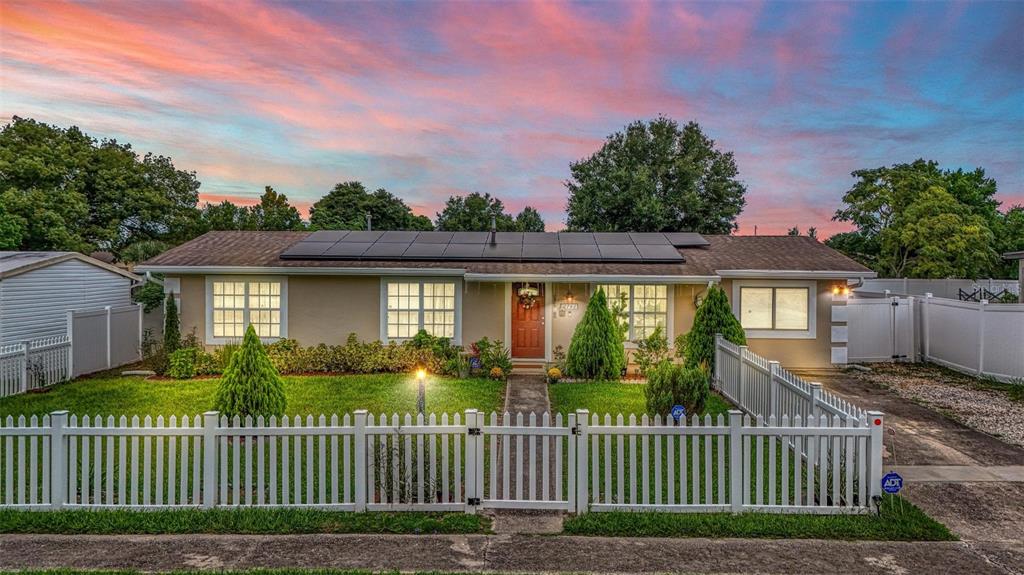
column 263, row 249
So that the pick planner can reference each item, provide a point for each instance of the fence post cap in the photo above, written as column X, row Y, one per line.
column 472, row 410
column 582, row 411
column 59, row 412
column 360, row 411
column 815, row 384
column 875, row 418
column 211, row 412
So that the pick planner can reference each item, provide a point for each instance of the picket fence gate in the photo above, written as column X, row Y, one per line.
column 577, row 463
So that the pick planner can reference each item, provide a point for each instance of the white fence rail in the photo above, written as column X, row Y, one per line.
column 360, row 462
column 946, row 288
column 96, row 340
column 763, row 388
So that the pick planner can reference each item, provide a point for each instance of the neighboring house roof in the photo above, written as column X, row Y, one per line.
column 238, row 251
column 1014, row 255
column 16, row 263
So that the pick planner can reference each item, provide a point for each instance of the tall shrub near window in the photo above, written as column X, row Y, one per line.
column 172, row 326
column 713, row 316
column 596, row 350
column 250, row 384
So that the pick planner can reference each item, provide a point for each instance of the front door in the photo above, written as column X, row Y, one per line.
column 528, row 323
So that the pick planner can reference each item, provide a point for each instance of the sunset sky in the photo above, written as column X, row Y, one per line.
column 432, row 99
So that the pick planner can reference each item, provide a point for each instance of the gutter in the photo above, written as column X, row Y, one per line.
column 797, row 274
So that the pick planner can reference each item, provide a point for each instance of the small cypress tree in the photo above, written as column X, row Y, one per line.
column 596, row 350
column 713, row 316
column 250, row 384
column 172, row 326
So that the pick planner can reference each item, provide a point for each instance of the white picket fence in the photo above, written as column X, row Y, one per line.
column 764, row 388
column 34, row 364
column 466, row 462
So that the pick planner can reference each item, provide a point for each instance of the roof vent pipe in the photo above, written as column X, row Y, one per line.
column 369, row 222
column 494, row 230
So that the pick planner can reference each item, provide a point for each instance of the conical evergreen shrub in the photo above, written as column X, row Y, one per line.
column 596, row 350
column 250, row 384
column 713, row 316
column 172, row 326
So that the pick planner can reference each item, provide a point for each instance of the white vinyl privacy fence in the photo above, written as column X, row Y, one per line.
column 466, row 462
column 95, row 340
column 978, row 338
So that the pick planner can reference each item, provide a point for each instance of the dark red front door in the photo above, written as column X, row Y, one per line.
column 528, row 324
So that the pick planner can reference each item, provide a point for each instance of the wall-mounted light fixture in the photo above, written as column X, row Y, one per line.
column 569, row 297
column 840, row 289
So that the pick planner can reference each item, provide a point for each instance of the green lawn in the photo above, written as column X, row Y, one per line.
column 244, row 521
column 381, row 393
column 899, row 521
column 614, row 398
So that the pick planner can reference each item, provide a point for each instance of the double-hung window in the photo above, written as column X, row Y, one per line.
column 412, row 305
column 645, row 307
column 776, row 310
column 233, row 304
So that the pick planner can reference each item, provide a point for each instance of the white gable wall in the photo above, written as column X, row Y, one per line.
column 35, row 303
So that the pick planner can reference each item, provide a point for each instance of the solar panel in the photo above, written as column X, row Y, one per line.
column 424, row 251
column 580, row 252
column 542, row 252
column 611, row 239
column 508, row 246
column 618, row 252
column 326, row 236
column 347, row 249
column 386, row 250
column 686, row 239
column 575, row 238
column 542, row 238
column 398, row 236
column 464, row 251
column 362, row 236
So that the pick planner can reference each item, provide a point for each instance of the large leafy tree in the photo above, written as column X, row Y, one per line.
column 656, row 176
column 890, row 205
column 346, row 207
column 63, row 190
column 226, row 216
column 474, row 213
column 274, row 212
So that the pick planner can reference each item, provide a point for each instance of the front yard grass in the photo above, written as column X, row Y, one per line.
column 306, row 395
column 899, row 520
column 609, row 397
column 250, row 521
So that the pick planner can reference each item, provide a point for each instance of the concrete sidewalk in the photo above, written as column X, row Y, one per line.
column 959, row 473
column 504, row 553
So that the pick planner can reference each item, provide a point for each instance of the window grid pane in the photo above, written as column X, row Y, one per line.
column 650, row 310
column 756, row 308
column 228, row 309
column 231, row 301
column 439, row 309
column 791, row 305
column 265, row 308
column 412, row 306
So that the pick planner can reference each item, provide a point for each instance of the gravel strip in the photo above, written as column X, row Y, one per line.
column 985, row 410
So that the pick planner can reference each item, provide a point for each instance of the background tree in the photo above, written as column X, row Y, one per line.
column 225, row 216
column 274, row 212
column 529, row 220
column 346, row 206
column 656, row 176
column 66, row 191
column 883, row 205
column 793, row 231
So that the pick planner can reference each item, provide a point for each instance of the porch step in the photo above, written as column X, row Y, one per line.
column 528, row 367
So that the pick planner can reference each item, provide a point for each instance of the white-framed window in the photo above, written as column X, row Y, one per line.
column 646, row 306
column 234, row 303
column 776, row 309
column 411, row 304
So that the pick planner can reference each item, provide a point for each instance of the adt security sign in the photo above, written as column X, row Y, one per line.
column 475, row 363
column 678, row 412
column 892, row 483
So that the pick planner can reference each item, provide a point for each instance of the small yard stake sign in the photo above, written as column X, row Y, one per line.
column 678, row 412
column 892, row 483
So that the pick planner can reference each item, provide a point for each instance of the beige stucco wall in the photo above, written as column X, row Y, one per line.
column 799, row 353
column 325, row 309
column 192, row 310
column 483, row 311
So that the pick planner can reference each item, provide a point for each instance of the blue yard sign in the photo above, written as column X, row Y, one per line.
column 474, row 363
column 892, row 482
column 678, row 412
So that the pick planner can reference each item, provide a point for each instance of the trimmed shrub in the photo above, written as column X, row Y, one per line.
column 250, row 385
column 493, row 354
column 596, row 350
column 651, row 350
column 182, row 363
column 670, row 384
column 697, row 348
column 172, row 326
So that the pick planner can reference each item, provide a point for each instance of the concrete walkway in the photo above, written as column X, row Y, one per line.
column 502, row 553
column 959, row 473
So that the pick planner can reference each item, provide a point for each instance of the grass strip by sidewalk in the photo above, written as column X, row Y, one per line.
column 899, row 521
column 232, row 572
column 240, row 521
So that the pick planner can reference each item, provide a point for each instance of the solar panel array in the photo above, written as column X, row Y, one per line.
column 504, row 246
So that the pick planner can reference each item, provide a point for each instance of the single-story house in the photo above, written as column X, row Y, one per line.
column 1019, row 256
column 526, row 289
column 38, row 289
